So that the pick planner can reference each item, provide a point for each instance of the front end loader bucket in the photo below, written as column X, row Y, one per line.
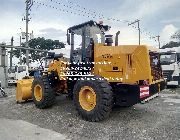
column 23, row 90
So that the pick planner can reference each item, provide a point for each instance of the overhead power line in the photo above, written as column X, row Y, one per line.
column 101, row 16
column 90, row 14
column 137, row 21
column 87, row 11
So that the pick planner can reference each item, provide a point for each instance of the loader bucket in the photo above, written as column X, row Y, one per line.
column 23, row 90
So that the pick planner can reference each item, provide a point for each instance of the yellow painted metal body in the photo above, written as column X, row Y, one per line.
column 60, row 67
column 23, row 90
column 123, row 64
column 38, row 93
column 126, row 63
column 87, row 98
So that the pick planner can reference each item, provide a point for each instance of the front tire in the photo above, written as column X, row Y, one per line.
column 42, row 93
column 93, row 98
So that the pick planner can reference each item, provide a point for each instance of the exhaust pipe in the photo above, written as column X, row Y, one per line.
column 116, row 39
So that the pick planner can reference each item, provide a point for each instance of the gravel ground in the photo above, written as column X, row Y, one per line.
column 157, row 119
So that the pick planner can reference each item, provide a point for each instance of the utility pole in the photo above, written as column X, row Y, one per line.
column 29, row 4
column 11, row 53
column 27, row 22
column 158, row 38
column 137, row 21
column 20, row 53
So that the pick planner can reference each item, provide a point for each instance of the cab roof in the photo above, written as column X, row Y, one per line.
column 77, row 29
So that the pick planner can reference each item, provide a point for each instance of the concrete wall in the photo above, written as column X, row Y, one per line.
column 3, row 70
column 0, row 60
column 3, row 77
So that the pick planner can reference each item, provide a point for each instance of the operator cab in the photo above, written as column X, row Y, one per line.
column 91, row 32
column 170, row 62
column 168, row 58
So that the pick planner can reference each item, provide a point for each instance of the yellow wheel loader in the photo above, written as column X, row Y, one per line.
column 98, row 74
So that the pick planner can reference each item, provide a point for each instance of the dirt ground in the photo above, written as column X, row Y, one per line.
column 156, row 119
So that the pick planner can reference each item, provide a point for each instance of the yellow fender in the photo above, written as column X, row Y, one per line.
column 23, row 90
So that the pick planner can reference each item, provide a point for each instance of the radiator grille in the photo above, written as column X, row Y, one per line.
column 168, row 74
column 156, row 70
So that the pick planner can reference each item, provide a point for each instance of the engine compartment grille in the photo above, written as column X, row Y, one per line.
column 168, row 74
column 156, row 69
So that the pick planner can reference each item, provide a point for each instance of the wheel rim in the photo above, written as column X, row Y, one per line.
column 87, row 98
column 38, row 92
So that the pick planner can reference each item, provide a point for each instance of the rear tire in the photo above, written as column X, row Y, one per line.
column 46, row 97
column 103, row 102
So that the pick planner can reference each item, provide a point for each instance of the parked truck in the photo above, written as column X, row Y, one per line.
column 17, row 72
column 170, row 62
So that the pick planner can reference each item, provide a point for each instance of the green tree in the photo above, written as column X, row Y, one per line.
column 176, row 35
column 172, row 44
column 42, row 44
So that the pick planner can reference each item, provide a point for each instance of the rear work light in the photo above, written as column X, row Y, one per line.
column 146, row 82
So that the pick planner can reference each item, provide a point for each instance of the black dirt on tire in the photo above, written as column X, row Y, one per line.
column 48, row 98
column 104, row 98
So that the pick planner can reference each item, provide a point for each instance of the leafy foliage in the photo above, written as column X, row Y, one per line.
column 39, row 43
column 172, row 44
column 176, row 35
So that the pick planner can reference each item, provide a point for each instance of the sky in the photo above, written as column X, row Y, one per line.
column 157, row 17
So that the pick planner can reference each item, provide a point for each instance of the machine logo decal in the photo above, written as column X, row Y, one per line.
column 155, row 61
column 144, row 91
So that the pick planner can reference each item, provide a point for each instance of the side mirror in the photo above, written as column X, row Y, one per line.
column 178, row 62
column 68, row 38
column 178, row 57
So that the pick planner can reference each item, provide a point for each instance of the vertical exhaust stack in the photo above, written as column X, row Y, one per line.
column 116, row 39
column 108, row 40
column 72, row 47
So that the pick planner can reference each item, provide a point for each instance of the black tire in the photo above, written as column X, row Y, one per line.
column 104, row 99
column 48, row 95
